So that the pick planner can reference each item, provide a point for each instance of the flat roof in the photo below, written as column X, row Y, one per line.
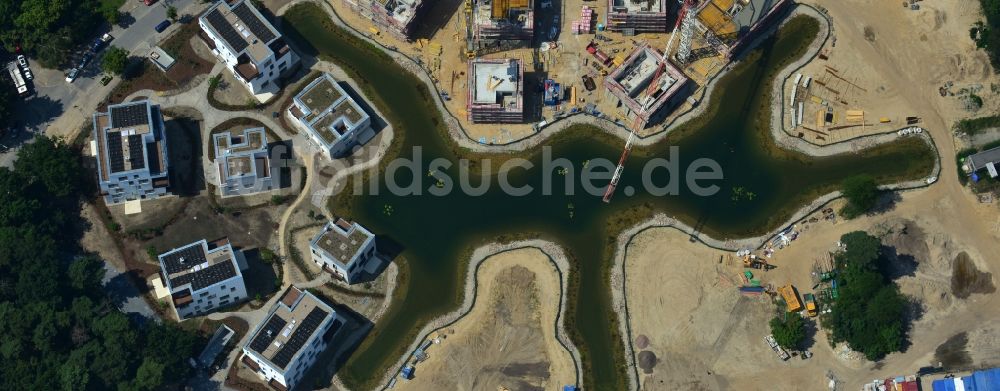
column 636, row 6
column 289, row 327
column 199, row 265
column 128, row 139
column 327, row 110
column 496, row 82
column 342, row 240
column 979, row 160
column 242, row 28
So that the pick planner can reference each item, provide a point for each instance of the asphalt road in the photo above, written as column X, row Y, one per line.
column 54, row 97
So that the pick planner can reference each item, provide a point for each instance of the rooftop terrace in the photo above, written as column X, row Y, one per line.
column 244, row 29
column 327, row 109
column 291, row 324
column 199, row 264
column 342, row 240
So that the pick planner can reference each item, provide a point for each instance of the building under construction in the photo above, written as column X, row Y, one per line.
column 396, row 17
column 631, row 17
column 728, row 25
column 645, row 85
column 503, row 24
column 496, row 91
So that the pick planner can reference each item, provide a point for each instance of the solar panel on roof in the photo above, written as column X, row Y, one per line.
column 267, row 334
column 135, row 156
column 299, row 337
column 227, row 31
column 115, row 158
column 192, row 255
column 253, row 23
column 207, row 277
column 129, row 115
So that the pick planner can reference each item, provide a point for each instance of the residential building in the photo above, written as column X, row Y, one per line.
column 131, row 150
column 252, row 49
column 242, row 163
column 729, row 25
column 284, row 346
column 331, row 117
column 644, row 86
column 396, row 17
column 496, row 91
column 344, row 249
column 503, row 24
column 631, row 17
column 203, row 276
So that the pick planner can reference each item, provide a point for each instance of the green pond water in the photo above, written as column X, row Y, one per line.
column 436, row 233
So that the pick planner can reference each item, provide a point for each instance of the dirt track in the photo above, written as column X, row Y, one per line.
column 508, row 339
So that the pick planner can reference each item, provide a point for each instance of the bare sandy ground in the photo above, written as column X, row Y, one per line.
column 508, row 339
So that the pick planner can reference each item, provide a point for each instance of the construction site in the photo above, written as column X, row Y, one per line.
column 665, row 52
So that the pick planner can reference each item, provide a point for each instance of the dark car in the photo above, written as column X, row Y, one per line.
column 162, row 26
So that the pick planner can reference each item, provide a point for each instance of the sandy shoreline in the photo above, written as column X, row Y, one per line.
column 556, row 257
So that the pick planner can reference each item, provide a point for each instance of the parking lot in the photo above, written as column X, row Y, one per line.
column 58, row 108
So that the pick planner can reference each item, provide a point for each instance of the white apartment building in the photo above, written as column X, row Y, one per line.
column 242, row 163
column 296, row 330
column 131, row 151
column 343, row 248
column 203, row 276
column 331, row 118
column 248, row 44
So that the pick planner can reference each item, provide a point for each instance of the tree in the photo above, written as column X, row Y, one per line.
column 861, row 192
column 214, row 82
column 870, row 313
column 789, row 331
column 6, row 104
column 115, row 61
column 86, row 273
column 172, row 13
column 149, row 375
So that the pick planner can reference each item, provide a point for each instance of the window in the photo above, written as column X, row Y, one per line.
column 233, row 289
column 226, row 297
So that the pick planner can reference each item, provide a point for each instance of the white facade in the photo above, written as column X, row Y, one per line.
column 343, row 248
column 131, row 151
column 202, row 277
column 285, row 345
column 331, row 117
column 252, row 49
column 242, row 163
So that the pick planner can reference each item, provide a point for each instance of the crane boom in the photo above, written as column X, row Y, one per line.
column 610, row 191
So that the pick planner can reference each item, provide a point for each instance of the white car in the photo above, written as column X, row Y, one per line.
column 72, row 75
column 28, row 75
column 23, row 61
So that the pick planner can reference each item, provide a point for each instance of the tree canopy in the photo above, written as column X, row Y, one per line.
column 987, row 36
column 60, row 330
column 861, row 192
column 47, row 29
column 115, row 61
column 789, row 330
column 870, row 314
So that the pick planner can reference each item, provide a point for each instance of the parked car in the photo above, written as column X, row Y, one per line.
column 85, row 60
column 148, row 2
column 27, row 74
column 162, row 26
column 106, row 38
column 22, row 60
column 72, row 75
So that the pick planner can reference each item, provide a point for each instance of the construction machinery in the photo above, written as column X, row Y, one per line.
column 684, row 29
column 810, row 300
column 791, row 297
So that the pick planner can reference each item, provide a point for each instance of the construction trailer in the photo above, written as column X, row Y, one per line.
column 397, row 17
column 632, row 17
column 505, row 24
column 15, row 75
column 496, row 91
column 729, row 25
column 791, row 297
column 644, row 86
